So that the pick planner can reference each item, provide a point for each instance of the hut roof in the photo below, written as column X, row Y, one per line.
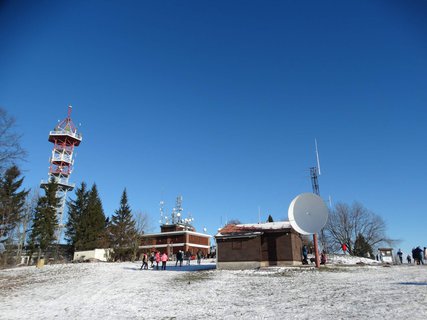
column 252, row 228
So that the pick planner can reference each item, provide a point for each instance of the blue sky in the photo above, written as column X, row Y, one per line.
column 221, row 102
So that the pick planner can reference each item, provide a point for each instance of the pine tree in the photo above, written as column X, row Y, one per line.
column 12, row 201
column 45, row 221
column 270, row 218
column 123, row 230
column 361, row 247
column 92, row 223
column 76, row 210
column 105, row 240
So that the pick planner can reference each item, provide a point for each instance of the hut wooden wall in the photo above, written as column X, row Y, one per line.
column 271, row 246
column 239, row 249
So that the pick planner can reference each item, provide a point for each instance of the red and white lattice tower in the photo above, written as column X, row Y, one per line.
column 64, row 138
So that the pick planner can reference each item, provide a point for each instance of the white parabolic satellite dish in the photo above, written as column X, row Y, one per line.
column 308, row 213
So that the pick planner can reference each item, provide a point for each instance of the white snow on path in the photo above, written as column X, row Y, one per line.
column 122, row 291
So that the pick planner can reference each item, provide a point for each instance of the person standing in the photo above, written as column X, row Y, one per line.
column 188, row 256
column 414, row 256
column 304, row 254
column 323, row 257
column 344, row 248
column 144, row 261
column 199, row 256
column 164, row 259
column 408, row 258
column 178, row 258
column 181, row 258
column 152, row 260
column 419, row 254
column 400, row 255
column 157, row 258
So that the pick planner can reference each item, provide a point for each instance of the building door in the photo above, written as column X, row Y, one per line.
column 272, row 250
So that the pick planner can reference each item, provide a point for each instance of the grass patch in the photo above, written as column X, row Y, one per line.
column 279, row 274
column 194, row 277
column 334, row 269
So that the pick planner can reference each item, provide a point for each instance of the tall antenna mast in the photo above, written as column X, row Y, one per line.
column 314, row 181
column 315, row 185
column 315, row 171
column 317, row 157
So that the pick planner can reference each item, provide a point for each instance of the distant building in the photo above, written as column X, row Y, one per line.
column 97, row 254
column 247, row 246
column 385, row 255
column 175, row 237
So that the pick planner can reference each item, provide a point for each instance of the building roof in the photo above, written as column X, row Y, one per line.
column 252, row 229
column 168, row 233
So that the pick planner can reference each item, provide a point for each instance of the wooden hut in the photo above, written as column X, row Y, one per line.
column 247, row 246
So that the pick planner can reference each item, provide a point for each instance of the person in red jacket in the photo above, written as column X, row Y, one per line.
column 157, row 258
column 344, row 248
column 164, row 260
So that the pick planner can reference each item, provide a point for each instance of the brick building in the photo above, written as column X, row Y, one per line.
column 174, row 237
column 247, row 246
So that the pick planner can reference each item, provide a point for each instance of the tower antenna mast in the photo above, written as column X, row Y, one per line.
column 64, row 138
column 315, row 185
column 317, row 157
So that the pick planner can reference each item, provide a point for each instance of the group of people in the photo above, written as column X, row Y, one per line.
column 305, row 256
column 418, row 255
column 156, row 257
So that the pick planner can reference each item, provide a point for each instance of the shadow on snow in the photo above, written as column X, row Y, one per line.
column 413, row 283
column 194, row 267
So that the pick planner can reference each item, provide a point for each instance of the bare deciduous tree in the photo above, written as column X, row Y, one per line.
column 346, row 223
column 10, row 146
column 141, row 222
column 141, row 226
column 27, row 217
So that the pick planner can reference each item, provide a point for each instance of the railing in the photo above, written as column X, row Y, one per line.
column 67, row 132
column 63, row 182
column 62, row 157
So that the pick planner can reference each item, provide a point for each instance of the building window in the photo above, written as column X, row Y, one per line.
column 236, row 244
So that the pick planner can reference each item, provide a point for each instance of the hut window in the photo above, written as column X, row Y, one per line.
column 236, row 245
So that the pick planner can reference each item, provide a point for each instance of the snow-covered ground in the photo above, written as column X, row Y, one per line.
column 341, row 290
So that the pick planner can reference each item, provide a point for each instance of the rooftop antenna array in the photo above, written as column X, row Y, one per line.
column 177, row 211
column 176, row 216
